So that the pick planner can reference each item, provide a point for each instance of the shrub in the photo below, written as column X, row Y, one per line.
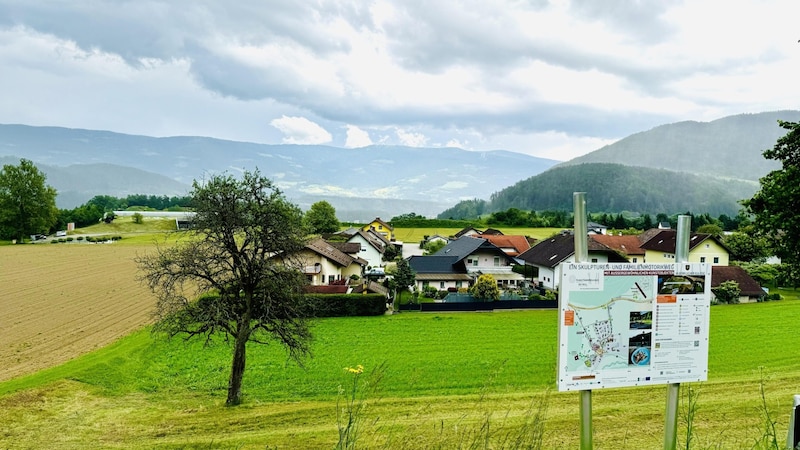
column 430, row 292
column 347, row 305
column 70, row 239
column 54, row 241
column 80, row 238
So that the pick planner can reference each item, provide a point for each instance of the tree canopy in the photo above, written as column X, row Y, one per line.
column 776, row 203
column 321, row 218
column 485, row 288
column 27, row 203
column 234, row 274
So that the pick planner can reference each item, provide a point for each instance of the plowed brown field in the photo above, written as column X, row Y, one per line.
column 60, row 301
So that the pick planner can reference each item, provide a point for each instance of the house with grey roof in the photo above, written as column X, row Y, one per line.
column 463, row 260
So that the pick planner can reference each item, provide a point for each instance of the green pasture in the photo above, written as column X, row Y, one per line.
column 445, row 377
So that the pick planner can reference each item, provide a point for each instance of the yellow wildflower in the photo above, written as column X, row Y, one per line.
column 357, row 369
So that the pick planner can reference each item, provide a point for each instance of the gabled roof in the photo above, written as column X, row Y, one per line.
column 492, row 231
column 551, row 252
column 747, row 284
column 467, row 230
column 664, row 241
column 373, row 239
column 646, row 235
column 624, row 245
column 347, row 247
column 325, row 249
column 467, row 245
column 435, row 264
column 385, row 225
column 512, row 245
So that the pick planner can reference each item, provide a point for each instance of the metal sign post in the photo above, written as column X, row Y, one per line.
column 674, row 389
column 582, row 255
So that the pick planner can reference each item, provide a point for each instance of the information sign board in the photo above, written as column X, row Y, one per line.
column 633, row 324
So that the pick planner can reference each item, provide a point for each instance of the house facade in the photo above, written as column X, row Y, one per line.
column 703, row 248
column 462, row 261
column 372, row 247
column 324, row 264
column 380, row 227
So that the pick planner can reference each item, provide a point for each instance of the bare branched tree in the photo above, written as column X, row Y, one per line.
column 234, row 274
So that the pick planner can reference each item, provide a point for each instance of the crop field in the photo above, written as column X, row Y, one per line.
column 80, row 369
column 61, row 301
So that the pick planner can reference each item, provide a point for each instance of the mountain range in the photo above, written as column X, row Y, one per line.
column 361, row 183
column 674, row 168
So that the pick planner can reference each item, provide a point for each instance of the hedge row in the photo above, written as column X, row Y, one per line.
column 345, row 305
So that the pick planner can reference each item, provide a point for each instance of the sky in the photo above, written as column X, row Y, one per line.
column 553, row 79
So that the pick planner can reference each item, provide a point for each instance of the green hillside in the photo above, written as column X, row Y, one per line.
column 729, row 147
column 614, row 188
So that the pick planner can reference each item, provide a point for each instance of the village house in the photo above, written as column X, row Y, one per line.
column 462, row 261
column 547, row 255
column 659, row 246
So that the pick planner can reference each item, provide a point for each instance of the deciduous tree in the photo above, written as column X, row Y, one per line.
column 321, row 218
column 27, row 203
column 234, row 276
column 776, row 203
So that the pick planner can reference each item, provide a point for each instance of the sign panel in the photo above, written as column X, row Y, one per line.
column 633, row 324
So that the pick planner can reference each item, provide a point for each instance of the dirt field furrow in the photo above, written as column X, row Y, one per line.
column 60, row 301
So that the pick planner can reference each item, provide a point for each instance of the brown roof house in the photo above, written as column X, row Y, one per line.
column 751, row 290
column 549, row 253
column 628, row 246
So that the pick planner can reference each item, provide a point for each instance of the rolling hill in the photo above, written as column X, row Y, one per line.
column 701, row 167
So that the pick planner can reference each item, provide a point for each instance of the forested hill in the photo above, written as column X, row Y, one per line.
column 728, row 147
column 615, row 188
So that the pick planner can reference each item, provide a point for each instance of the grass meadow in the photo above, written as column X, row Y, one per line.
column 446, row 377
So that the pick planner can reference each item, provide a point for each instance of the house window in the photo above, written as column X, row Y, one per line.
column 425, row 284
column 635, row 260
column 459, row 284
column 441, row 285
column 475, row 262
column 497, row 261
column 716, row 260
column 594, row 260
column 331, row 278
column 702, row 259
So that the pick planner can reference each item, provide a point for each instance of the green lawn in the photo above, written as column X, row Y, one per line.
column 445, row 376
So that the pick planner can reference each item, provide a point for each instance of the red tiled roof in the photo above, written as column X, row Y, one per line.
column 626, row 245
column 505, row 242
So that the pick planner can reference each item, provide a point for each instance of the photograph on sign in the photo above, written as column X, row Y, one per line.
column 632, row 324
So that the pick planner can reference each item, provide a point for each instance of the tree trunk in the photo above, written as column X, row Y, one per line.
column 238, row 364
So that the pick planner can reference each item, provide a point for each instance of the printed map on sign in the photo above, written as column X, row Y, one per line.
column 610, row 322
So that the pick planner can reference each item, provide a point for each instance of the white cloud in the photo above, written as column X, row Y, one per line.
column 356, row 137
column 299, row 130
column 410, row 138
column 551, row 79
